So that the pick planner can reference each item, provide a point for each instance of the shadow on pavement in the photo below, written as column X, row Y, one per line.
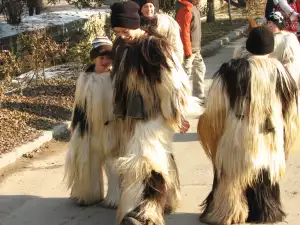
column 34, row 210
column 187, row 137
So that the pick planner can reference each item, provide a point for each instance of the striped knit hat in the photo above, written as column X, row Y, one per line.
column 101, row 41
column 100, row 46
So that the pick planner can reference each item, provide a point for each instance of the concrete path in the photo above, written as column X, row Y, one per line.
column 35, row 195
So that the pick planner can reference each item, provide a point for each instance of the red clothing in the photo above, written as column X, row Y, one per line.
column 184, row 19
column 291, row 26
column 189, row 19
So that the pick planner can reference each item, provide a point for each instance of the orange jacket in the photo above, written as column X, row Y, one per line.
column 184, row 17
column 189, row 19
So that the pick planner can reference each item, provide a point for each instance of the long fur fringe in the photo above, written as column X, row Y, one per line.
column 157, row 75
column 163, row 25
column 170, row 29
column 287, row 51
column 148, row 152
column 249, row 131
column 88, row 151
column 148, row 174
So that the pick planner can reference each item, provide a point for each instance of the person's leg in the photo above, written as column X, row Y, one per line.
column 198, row 73
column 188, row 65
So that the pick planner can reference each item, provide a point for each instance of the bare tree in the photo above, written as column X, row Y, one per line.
column 210, row 16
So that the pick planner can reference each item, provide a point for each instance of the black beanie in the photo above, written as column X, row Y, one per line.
column 260, row 41
column 277, row 18
column 143, row 2
column 125, row 15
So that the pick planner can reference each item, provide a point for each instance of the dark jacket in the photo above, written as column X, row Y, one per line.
column 189, row 20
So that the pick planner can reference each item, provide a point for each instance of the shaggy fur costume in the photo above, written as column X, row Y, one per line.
column 150, row 96
column 167, row 27
column 93, row 142
column 248, row 128
column 287, row 51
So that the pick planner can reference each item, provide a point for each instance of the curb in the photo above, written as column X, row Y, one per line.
column 60, row 131
column 9, row 158
column 213, row 47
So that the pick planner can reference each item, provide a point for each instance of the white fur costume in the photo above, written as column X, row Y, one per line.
column 169, row 28
column 248, row 128
column 148, row 172
column 94, row 140
column 287, row 51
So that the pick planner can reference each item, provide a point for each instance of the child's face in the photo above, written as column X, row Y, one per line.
column 148, row 10
column 127, row 34
column 273, row 27
column 103, row 63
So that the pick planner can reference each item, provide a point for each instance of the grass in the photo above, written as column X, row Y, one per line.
column 219, row 28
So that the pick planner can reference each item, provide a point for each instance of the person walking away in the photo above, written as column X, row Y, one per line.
column 189, row 20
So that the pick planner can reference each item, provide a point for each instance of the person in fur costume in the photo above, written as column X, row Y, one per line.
column 93, row 131
column 162, row 24
column 287, row 47
column 248, row 128
column 150, row 99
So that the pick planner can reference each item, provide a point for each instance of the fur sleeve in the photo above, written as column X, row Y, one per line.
column 212, row 121
column 79, row 102
column 80, row 89
column 287, row 51
column 170, row 29
column 174, row 91
column 287, row 89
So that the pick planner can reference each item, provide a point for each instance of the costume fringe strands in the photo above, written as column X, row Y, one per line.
column 150, row 71
column 170, row 29
column 287, row 51
column 251, row 121
column 93, row 141
column 164, row 25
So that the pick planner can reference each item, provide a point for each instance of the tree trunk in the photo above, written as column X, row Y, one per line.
column 210, row 17
column 229, row 11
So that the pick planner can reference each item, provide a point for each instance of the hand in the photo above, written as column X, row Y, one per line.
column 71, row 131
column 185, row 125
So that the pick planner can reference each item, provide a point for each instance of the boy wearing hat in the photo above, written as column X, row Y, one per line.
column 101, row 55
column 248, row 128
column 150, row 98
column 287, row 47
column 91, row 132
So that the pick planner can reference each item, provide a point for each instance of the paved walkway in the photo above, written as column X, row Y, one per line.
column 35, row 195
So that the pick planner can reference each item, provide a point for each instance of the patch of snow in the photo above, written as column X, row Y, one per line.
column 51, row 72
column 30, row 23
